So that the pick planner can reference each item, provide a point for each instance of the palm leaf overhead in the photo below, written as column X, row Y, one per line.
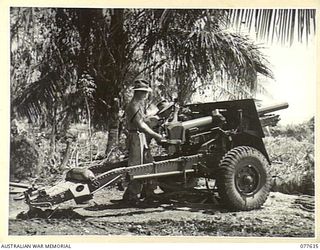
column 116, row 45
column 194, row 45
column 276, row 25
column 29, row 102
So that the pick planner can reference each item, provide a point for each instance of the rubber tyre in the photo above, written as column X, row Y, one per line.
column 243, row 181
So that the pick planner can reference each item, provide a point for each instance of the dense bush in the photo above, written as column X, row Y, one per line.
column 291, row 150
column 24, row 158
column 301, row 132
column 32, row 154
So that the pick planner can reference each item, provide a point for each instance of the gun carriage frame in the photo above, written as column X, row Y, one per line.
column 220, row 140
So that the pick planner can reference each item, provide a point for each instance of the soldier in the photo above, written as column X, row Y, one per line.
column 137, row 128
column 168, row 111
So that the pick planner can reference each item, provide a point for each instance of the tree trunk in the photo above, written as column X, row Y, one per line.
column 112, row 139
column 113, row 128
column 89, row 127
column 53, row 136
column 66, row 157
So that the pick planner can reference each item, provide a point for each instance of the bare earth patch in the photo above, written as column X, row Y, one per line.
column 281, row 216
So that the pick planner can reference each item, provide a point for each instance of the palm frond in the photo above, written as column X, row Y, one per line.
column 195, row 49
column 281, row 25
column 32, row 100
column 237, row 51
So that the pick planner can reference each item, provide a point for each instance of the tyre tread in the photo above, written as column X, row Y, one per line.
column 225, row 181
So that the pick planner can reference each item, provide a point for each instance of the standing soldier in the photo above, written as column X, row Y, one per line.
column 138, row 129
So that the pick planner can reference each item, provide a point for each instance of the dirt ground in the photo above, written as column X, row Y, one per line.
column 178, row 214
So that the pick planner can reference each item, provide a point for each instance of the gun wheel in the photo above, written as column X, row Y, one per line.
column 243, row 181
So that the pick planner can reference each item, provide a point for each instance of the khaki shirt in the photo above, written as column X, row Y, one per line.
column 137, row 140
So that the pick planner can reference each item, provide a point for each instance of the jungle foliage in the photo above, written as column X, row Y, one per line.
column 72, row 66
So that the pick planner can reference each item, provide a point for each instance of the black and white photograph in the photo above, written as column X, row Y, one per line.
column 162, row 122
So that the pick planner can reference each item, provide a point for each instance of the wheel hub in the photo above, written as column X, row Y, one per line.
column 247, row 180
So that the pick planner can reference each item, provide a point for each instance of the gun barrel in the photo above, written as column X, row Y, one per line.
column 197, row 122
column 272, row 108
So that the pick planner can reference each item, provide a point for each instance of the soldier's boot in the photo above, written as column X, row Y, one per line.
column 130, row 196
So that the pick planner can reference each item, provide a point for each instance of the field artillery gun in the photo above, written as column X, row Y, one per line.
column 220, row 140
